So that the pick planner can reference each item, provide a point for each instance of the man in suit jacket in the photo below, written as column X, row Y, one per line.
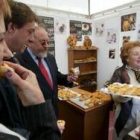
column 40, row 117
column 29, row 59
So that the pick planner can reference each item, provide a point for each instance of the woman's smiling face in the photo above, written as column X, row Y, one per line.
column 134, row 57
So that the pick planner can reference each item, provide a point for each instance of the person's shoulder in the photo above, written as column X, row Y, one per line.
column 50, row 56
column 121, row 68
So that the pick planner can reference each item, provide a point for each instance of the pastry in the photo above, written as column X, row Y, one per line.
column 66, row 94
column 72, row 40
column 61, row 123
column 3, row 68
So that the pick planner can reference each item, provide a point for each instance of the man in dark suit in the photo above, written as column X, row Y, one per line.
column 29, row 59
column 39, row 114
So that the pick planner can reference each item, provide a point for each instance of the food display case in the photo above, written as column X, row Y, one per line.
column 84, row 124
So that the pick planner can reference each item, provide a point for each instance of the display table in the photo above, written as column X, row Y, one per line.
column 85, row 124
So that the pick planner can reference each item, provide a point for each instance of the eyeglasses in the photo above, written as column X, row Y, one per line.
column 44, row 42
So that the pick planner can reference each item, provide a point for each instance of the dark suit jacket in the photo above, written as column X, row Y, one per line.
column 26, row 60
column 42, row 122
column 4, row 136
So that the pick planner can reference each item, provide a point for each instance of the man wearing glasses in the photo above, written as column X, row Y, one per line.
column 37, row 58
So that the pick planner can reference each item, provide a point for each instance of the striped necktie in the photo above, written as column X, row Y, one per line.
column 44, row 72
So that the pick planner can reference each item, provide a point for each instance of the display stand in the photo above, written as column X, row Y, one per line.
column 85, row 124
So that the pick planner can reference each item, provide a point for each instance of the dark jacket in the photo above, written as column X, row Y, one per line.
column 120, row 75
column 58, row 78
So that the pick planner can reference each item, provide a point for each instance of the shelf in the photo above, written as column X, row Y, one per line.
column 85, row 62
column 94, row 48
column 87, row 73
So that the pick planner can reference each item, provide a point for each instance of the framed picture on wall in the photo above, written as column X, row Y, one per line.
column 99, row 29
column 60, row 26
column 128, row 22
column 111, row 36
column 76, row 29
column 48, row 23
column 86, row 28
column 112, row 53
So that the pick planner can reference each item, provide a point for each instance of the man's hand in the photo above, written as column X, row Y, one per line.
column 27, row 85
column 72, row 77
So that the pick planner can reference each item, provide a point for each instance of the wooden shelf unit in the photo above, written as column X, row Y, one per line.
column 88, row 69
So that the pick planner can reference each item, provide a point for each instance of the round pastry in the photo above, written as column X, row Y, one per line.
column 72, row 40
column 3, row 68
column 72, row 70
column 61, row 123
column 87, row 42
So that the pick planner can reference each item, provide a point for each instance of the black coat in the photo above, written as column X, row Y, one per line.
column 58, row 78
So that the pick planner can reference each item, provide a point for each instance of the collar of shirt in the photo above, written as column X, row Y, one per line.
column 32, row 55
column 130, row 68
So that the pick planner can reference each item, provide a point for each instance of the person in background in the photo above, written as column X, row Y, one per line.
column 127, row 115
column 39, row 115
column 37, row 51
column 20, row 26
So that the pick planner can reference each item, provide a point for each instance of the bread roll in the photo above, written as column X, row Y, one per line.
column 3, row 68
column 61, row 123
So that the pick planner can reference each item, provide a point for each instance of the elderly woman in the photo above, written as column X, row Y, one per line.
column 127, row 109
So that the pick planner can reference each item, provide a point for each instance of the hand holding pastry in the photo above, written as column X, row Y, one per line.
column 73, row 75
column 61, row 125
column 27, row 85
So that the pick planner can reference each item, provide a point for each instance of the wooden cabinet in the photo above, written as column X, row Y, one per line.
column 86, row 60
column 85, row 124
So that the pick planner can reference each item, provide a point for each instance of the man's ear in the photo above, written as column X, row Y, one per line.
column 11, row 28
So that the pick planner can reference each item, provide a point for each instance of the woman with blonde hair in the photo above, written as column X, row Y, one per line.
column 127, row 115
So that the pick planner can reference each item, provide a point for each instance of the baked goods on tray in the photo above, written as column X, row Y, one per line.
column 124, row 89
column 98, row 98
column 66, row 94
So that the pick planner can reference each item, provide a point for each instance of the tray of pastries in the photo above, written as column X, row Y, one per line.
column 67, row 94
column 125, row 90
column 87, row 99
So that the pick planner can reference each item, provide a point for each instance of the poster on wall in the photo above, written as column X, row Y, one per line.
column 112, row 53
column 60, row 26
column 128, row 22
column 111, row 36
column 76, row 29
column 86, row 28
column 99, row 29
column 125, row 39
column 52, row 50
column 48, row 23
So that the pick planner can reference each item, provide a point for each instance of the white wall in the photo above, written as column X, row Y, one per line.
column 107, row 66
column 61, row 45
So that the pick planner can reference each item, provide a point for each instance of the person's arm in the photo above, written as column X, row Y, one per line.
column 66, row 79
column 39, row 113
